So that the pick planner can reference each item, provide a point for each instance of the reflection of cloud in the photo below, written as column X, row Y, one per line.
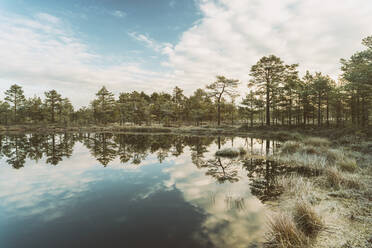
column 225, row 225
column 35, row 187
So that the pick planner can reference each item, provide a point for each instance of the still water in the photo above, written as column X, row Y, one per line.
column 127, row 190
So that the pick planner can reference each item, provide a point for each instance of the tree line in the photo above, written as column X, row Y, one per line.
column 277, row 96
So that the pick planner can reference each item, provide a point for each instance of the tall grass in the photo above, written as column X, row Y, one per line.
column 307, row 220
column 284, row 234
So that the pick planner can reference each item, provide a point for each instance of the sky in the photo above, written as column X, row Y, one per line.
column 76, row 47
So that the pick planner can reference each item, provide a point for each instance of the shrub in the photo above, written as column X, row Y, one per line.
column 284, row 233
column 307, row 220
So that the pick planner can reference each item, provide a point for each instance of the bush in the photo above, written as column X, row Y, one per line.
column 307, row 220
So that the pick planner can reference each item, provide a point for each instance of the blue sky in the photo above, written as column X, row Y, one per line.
column 76, row 47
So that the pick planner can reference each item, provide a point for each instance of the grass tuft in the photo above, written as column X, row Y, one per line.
column 290, row 147
column 334, row 179
column 230, row 152
column 307, row 220
column 316, row 141
column 348, row 165
column 284, row 233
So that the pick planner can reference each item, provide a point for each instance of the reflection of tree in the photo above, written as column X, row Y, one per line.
column 15, row 149
column 198, row 146
column 57, row 146
column 222, row 170
column 36, row 146
column 104, row 148
column 237, row 203
column 263, row 174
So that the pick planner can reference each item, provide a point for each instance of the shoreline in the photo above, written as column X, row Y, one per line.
column 282, row 133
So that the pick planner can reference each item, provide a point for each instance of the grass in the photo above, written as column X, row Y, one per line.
column 307, row 220
column 316, row 141
column 336, row 180
column 290, row 147
column 231, row 152
column 348, row 164
column 284, row 234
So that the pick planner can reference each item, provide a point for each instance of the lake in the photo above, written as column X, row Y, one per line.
column 132, row 190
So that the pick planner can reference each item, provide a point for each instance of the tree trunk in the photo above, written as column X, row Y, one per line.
column 267, row 106
column 319, row 120
column 218, row 113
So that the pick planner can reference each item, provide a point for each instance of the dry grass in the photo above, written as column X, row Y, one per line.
column 316, row 141
column 307, row 220
column 335, row 179
column 230, row 152
column 348, row 165
column 295, row 186
column 284, row 234
column 290, row 147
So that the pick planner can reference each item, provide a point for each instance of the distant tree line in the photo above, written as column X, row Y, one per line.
column 277, row 96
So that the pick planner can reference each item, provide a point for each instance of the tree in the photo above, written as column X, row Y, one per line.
column 250, row 106
column 266, row 74
column 219, row 88
column 34, row 109
column 5, row 112
column 358, row 72
column 104, row 105
column 15, row 96
column 52, row 103
column 320, row 88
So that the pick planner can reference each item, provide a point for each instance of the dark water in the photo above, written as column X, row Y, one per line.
column 125, row 190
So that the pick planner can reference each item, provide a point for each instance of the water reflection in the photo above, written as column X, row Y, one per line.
column 132, row 190
column 106, row 147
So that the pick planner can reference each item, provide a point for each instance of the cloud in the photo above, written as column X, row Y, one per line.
column 119, row 14
column 172, row 3
column 233, row 34
column 48, row 18
column 42, row 55
column 164, row 48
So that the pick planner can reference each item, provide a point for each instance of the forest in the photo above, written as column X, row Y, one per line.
column 277, row 96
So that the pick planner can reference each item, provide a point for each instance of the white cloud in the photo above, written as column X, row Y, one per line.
column 233, row 34
column 164, row 48
column 48, row 18
column 228, row 39
column 172, row 3
column 119, row 13
column 41, row 55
